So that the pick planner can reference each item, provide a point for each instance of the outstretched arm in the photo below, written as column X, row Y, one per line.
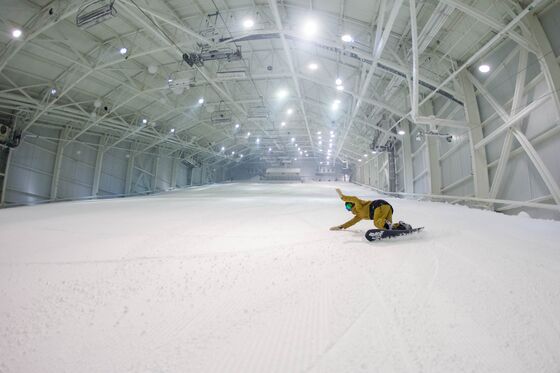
column 352, row 199
column 348, row 224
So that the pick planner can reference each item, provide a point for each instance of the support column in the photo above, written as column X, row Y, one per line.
column 58, row 163
column 98, row 166
column 478, row 156
column 432, row 146
column 156, row 173
column 408, row 177
column 174, row 166
column 547, row 59
column 129, row 173
column 5, row 179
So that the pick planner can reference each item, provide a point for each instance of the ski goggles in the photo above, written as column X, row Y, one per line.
column 349, row 206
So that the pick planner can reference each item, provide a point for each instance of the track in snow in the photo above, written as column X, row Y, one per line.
column 248, row 278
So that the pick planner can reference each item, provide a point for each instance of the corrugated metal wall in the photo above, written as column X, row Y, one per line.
column 33, row 167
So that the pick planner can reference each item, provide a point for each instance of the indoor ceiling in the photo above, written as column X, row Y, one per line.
column 125, row 77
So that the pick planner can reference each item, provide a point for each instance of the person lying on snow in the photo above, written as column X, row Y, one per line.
column 380, row 211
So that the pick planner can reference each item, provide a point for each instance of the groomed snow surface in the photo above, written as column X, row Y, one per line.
column 248, row 278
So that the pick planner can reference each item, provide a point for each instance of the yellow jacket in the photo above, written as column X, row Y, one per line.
column 382, row 212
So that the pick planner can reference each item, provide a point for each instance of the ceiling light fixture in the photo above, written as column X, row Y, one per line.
column 282, row 93
column 347, row 38
column 123, row 51
column 201, row 100
column 310, row 28
column 248, row 23
column 17, row 33
column 313, row 66
column 144, row 121
column 237, row 125
column 338, row 81
column 401, row 132
column 290, row 111
column 484, row 68
column 53, row 91
column 283, row 124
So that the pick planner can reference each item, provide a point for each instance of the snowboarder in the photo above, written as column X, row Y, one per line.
column 380, row 211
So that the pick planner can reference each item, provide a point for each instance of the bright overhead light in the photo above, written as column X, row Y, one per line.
column 232, row 153
column 373, row 152
column 313, row 66
column 484, row 68
column 240, row 155
column 17, row 33
column 338, row 81
column 144, row 121
column 401, row 132
column 318, row 132
column 359, row 160
column 310, row 28
column 365, row 155
column 293, row 139
column 282, row 93
column 53, row 91
column 340, row 88
column 248, row 23
column 258, row 140
column 123, row 51
column 172, row 130
column 283, row 124
column 347, row 38
column 290, row 111
column 248, row 134
column 223, row 148
column 237, row 125
column 269, row 150
column 201, row 100
column 295, row 145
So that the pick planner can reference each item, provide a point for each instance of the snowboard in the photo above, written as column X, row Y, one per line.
column 380, row 234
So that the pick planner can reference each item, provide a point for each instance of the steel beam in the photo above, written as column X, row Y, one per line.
column 547, row 59
column 539, row 164
column 478, row 155
column 508, row 141
column 489, row 21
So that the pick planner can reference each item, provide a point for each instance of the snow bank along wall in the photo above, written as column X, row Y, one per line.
column 441, row 167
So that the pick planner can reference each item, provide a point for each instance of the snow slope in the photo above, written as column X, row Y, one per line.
column 248, row 278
